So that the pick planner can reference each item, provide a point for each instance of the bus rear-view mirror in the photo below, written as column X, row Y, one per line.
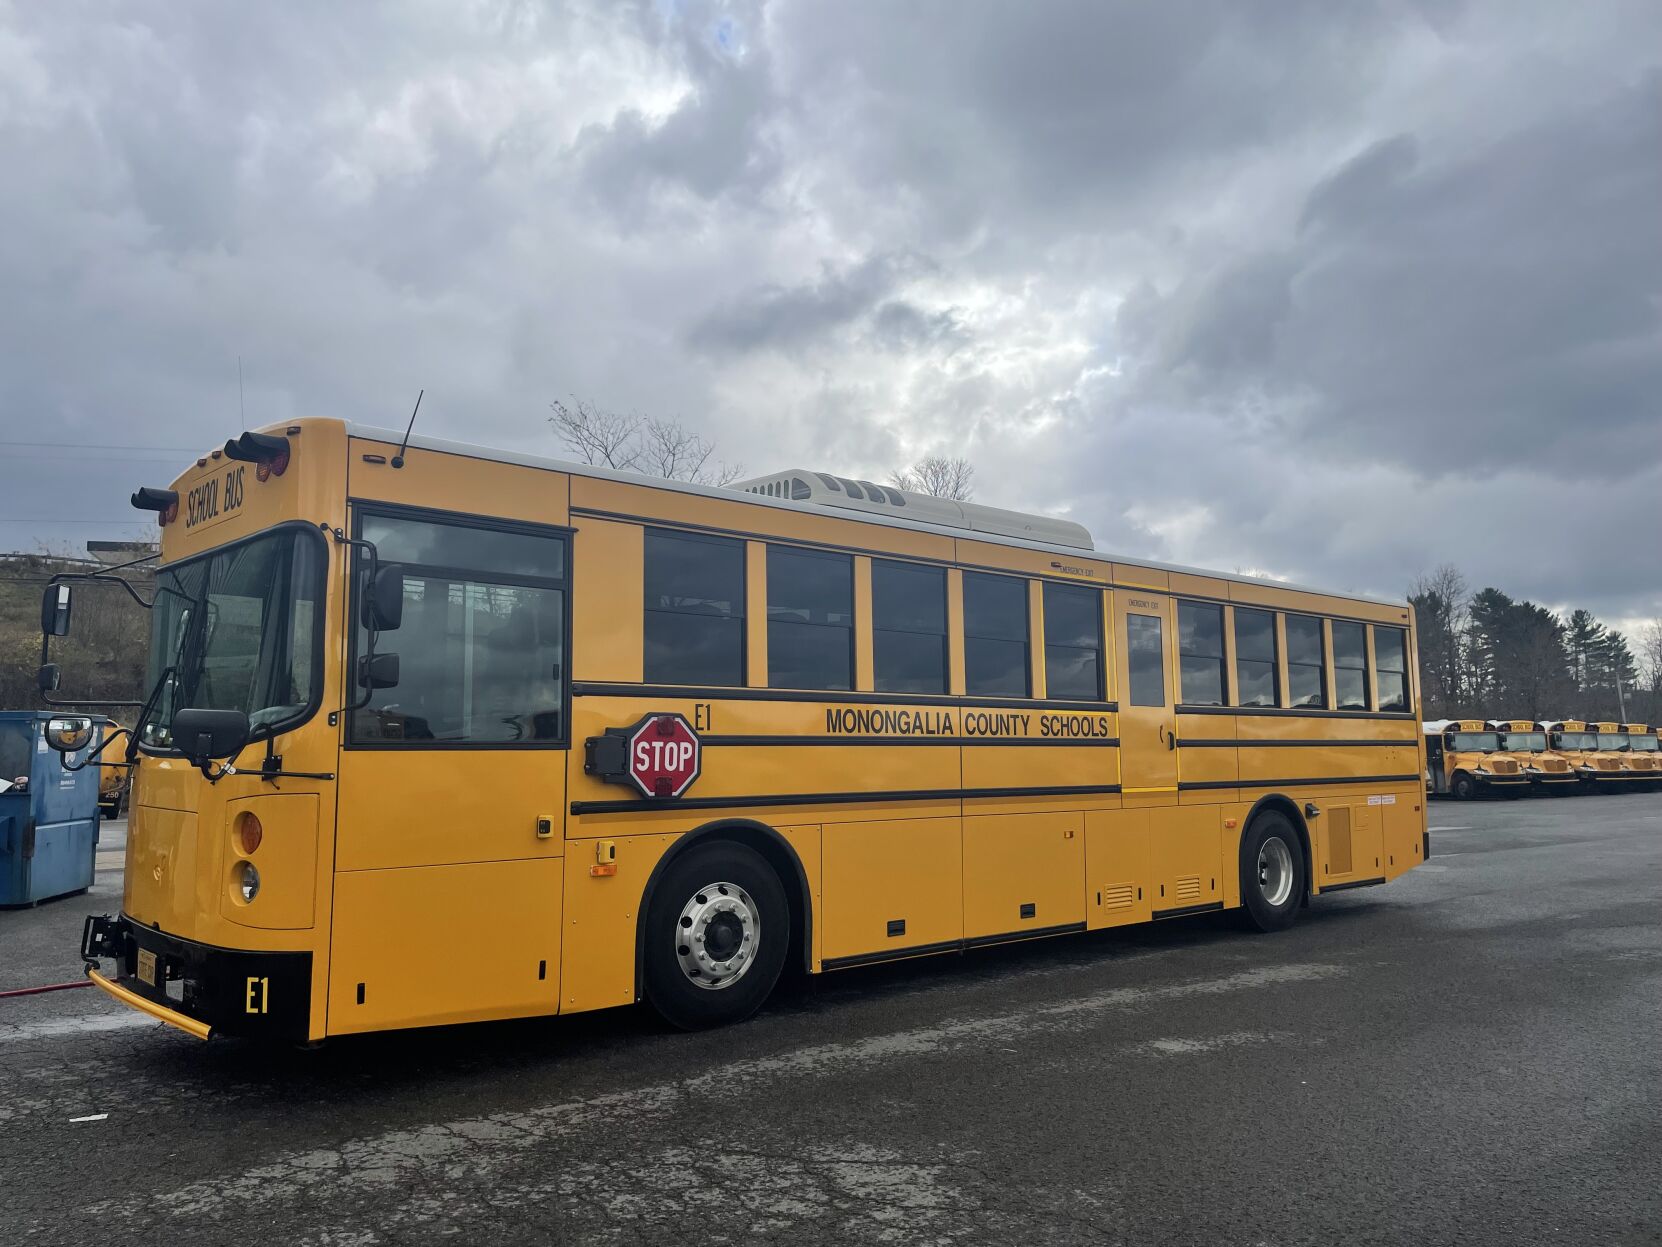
column 54, row 610
column 384, row 608
column 47, row 677
column 69, row 734
column 204, row 736
column 378, row 671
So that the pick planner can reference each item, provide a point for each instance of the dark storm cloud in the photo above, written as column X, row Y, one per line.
column 1336, row 291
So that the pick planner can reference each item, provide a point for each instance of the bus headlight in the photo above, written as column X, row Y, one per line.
column 248, row 881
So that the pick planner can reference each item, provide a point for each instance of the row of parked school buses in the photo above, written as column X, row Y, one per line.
column 1467, row 758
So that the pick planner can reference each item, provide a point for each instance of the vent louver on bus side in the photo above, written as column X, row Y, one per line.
column 851, row 494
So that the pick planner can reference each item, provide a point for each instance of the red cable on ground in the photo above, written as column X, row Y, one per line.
column 50, row 987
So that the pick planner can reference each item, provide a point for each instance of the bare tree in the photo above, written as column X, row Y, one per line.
column 633, row 443
column 937, row 476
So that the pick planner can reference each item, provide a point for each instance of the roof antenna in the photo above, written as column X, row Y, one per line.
column 398, row 459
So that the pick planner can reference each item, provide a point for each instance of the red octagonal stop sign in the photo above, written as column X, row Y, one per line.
column 664, row 755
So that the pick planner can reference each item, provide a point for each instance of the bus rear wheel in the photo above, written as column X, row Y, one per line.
column 1272, row 872
column 717, row 930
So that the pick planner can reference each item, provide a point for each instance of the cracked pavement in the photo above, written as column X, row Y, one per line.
column 1468, row 1055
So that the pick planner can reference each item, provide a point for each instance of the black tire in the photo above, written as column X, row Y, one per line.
column 1273, row 885
column 1463, row 787
column 702, row 872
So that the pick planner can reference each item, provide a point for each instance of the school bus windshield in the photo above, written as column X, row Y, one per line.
column 1642, row 744
column 237, row 629
column 1527, row 742
column 1475, row 742
column 1612, row 742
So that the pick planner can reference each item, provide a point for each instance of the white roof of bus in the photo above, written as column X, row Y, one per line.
column 726, row 494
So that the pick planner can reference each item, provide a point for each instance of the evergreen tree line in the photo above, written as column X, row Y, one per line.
column 1486, row 655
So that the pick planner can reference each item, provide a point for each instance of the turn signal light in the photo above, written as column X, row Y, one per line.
column 249, row 833
column 600, row 872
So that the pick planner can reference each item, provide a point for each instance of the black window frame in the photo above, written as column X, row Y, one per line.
column 945, row 633
column 768, row 621
column 1101, row 650
column 1322, row 653
column 1333, row 626
column 367, row 507
column 1277, row 694
column 1221, row 657
column 742, row 597
column 1024, row 585
column 1400, row 673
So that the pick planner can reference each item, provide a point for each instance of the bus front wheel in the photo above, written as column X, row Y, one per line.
column 717, row 930
column 1463, row 787
column 1272, row 872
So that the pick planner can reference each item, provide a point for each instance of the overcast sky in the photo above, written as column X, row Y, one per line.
column 1332, row 291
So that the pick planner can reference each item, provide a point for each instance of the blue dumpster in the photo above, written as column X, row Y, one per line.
column 49, row 820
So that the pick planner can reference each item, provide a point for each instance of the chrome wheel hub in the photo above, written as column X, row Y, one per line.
column 1275, row 871
column 717, row 935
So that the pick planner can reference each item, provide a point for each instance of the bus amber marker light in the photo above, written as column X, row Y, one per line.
column 249, row 833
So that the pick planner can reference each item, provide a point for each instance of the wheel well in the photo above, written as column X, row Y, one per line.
column 1288, row 807
column 774, row 849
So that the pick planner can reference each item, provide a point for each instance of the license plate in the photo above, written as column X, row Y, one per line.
column 147, row 967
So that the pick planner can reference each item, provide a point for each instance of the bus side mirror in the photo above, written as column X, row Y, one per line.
column 378, row 671
column 384, row 605
column 46, row 679
column 54, row 611
column 70, row 734
column 204, row 735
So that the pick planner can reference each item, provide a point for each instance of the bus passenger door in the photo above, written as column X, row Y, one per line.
column 1148, row 717
column 450, row 828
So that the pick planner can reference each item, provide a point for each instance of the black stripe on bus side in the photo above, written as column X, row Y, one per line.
column 1032, row 933
column 890, row 954
column 836, row 798
column 1211, row 907
column 1313, row 782
column 948, row 946
column 1285, row 712
column 831, row 698
column 1187, row 743
column 1354, row 883
column 1109, row 741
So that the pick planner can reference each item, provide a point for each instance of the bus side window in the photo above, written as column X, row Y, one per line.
column 482, row 644
column 1073, row 642
column 1350, row 666
column 1306, row 682
column 1200, row 654
column 908, row 622
column 995, row 636
column 810, row 619
column 1255, row 658
column 694, row 600
column 1390, row 660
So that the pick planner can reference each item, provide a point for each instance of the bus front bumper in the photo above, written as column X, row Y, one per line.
column 1501, row 781
column 200, row 989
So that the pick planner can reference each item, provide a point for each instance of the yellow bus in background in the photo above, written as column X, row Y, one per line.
column 1617, row 770
column 1467, row 758
column 1574, row 739
column 112, row 772
column 1546, row 769
column 1643, row 756
column 441, row 734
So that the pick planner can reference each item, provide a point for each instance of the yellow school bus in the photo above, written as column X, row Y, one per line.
column 1616, row 769
column 1643, row 757
column 1467, row 758
column 441, row 734
column 1546, row 769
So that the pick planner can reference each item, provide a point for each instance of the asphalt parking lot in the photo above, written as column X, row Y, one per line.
column 1472, row 1054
